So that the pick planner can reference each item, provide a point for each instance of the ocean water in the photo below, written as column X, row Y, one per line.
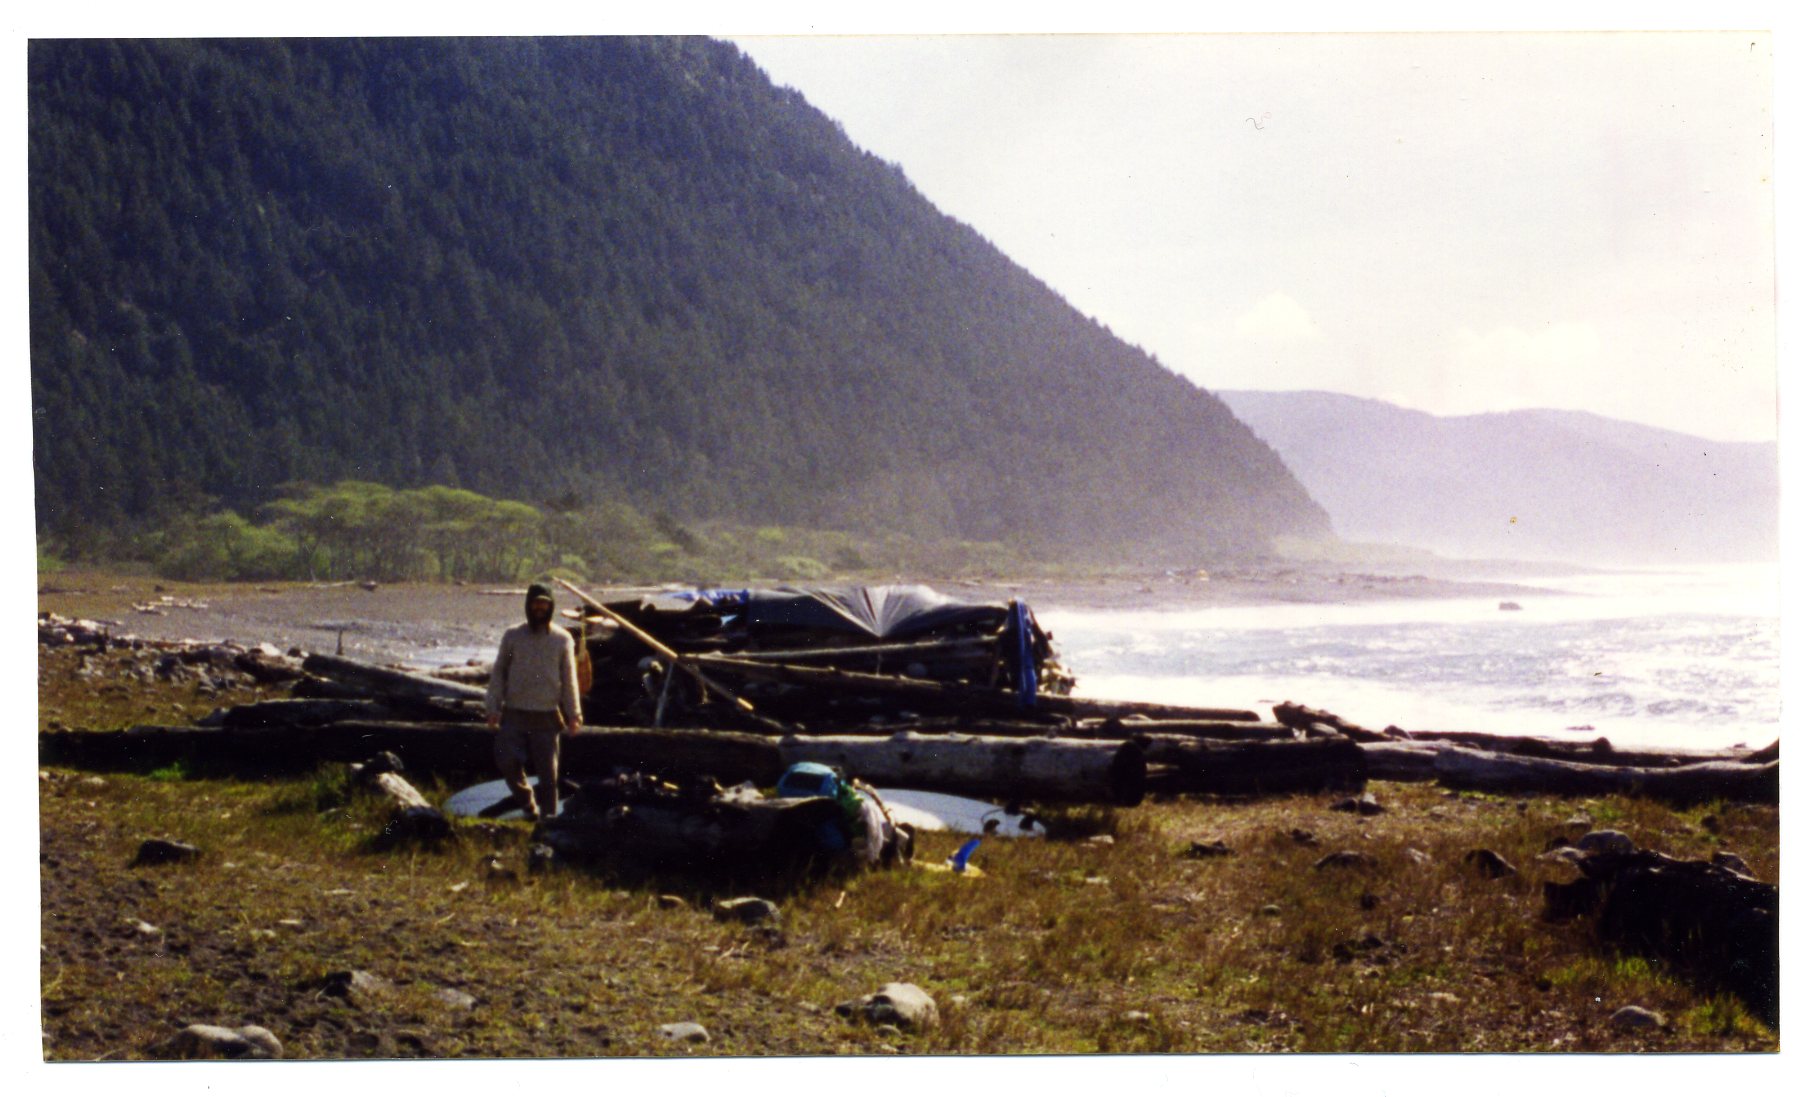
column 1684, row 657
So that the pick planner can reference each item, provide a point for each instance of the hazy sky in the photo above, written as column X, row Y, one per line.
column 1453, row 222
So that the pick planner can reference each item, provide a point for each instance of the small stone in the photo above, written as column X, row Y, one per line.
column 216, row 1042
column 1347, row 858
column 540, row 858
column 1488, row 863
column 143, row 928
column 901, row 1004
column 1365, row 804
column 1605, row 841
column 887, row 1030
column 687, row 1032
column 354, row 984
column 1418, row 856
column 1217, row 848
column 163, row 851
column 1733, row 862
column 1270, row 910
column 748, row 910
column 1636, row 1017
column 1368, row 900
column 1579, row 821
column 670, row 902
column 1100, row 840
column 1303, row 837
column 455, row 999
column 496, row 871
column 93, row 782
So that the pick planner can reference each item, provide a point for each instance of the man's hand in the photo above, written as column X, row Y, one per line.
column 491, row 720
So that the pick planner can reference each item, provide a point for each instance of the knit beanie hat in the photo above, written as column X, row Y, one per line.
column 537, row 590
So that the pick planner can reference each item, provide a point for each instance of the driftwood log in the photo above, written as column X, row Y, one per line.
column 1116, row 727
column 1717, row 926
column 385, row 682
column 1461, row 767
column 1253, row 768
column 1311, row 721
column 1050, row 770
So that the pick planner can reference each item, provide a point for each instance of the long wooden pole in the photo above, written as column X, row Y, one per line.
column 673, row 657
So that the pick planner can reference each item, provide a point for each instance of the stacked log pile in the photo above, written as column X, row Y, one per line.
column 1062, row 750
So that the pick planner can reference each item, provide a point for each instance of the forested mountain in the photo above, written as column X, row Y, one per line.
column 567, row 271
column 1538, row 484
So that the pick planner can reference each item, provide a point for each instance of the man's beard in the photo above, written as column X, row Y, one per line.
column 540, row 619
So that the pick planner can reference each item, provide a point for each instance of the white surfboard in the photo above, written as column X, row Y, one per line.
column 482, row 801
column 932, row 811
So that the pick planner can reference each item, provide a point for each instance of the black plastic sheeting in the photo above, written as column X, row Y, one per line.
column 893, row 612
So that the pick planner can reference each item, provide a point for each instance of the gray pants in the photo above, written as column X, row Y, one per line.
column 531, row 739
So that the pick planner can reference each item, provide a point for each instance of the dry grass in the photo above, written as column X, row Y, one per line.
column 1062, row 947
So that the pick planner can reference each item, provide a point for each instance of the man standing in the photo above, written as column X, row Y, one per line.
column 533, row 698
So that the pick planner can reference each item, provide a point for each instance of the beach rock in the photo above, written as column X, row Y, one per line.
column 454, row 999
column 1137, row 1016
column 216, row 1042
column 497, row 873
column 1100, row 840
column 1270, row 910
column 1636, row 1017
column 748, row 910
column 1733, row 862
column 686, row 1032
column 143, row 928
column 1605, row 841
column 1217, row 848
column 354, row 985
column 1488, row 863
column 540, row 858
column 901, row 1004
column 1347, row 858
column 1368, row 900
column 164, row 851
column 1303, row 837
column 1365, row 804
column 670, row 902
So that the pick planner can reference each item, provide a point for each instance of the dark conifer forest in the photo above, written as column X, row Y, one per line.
column 573, row 272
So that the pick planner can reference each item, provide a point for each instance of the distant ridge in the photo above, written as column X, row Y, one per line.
column 1538, row 484
column 568, row 270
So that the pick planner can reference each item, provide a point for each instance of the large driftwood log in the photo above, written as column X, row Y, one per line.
column 1051, row 770
column 390, row 683
column 1460, row 767
column 1310, row 720
column 299, row 711
column 1264, row 766
column 1086, row 707
column 1401, row 761
column 1116, row 727
column 1593, row 752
